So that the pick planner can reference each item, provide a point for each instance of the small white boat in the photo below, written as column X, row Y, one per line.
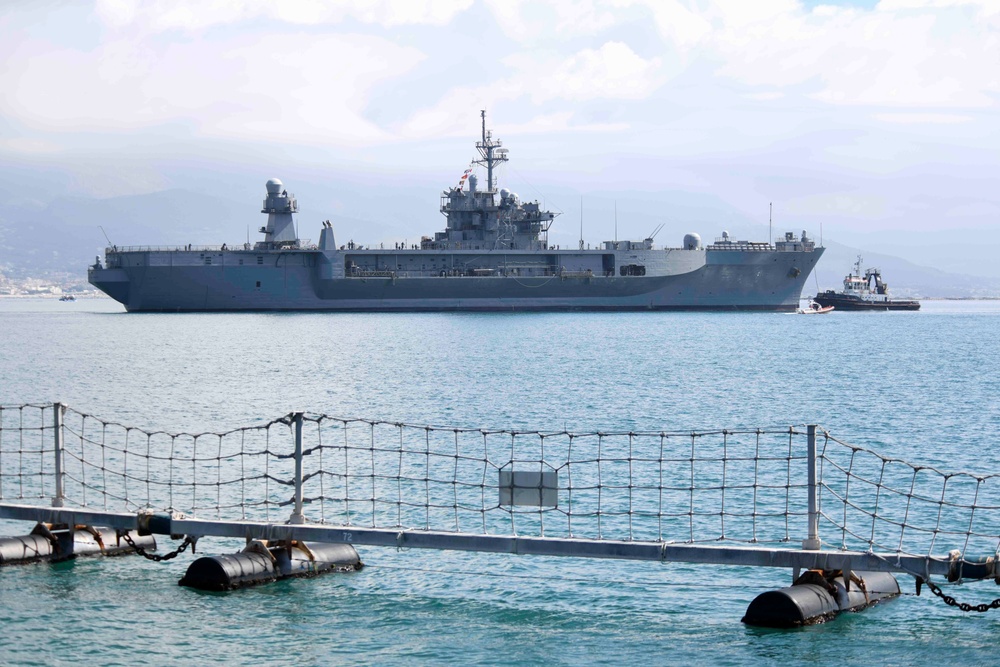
column 814, row 309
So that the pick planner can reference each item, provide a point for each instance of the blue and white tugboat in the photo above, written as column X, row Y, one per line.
column 866, row 292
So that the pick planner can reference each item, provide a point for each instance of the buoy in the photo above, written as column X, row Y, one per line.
column 981, row 568
column 818, row 596
column 262, row 562
column 25, row 549
column 61, row 542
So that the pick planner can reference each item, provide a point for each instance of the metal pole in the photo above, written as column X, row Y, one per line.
column 58, row 409
column 297, row 517
column 812, row 542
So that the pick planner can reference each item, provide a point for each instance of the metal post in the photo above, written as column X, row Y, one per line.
column 297, row 517
column 58, row 409
column 812, row 541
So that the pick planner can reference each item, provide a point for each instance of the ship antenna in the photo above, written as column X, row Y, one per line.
column 770, row 234
column 616, row 221
column 581, row 222
column 491, row 152
column 105, row 234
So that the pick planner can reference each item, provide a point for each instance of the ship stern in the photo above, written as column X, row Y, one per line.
column 113, row 282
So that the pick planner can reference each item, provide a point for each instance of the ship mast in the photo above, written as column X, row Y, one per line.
column 491, row 152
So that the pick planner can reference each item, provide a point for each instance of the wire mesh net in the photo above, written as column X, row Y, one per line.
column 27, row 462
column 665, row 486
column 744, row 486
column 873, row 503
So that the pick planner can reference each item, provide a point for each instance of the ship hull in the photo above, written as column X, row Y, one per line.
column 178, row 281
column 846, row 302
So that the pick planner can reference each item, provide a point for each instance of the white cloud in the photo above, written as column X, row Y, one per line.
column 274, row 87
column 684, row 28
column 158, row 15
column 986, row 6
column 560, row 122
column 116, row 13
column 922, row 118
column 611, row 72
column 924, row 54
column 553, row 20
column 557, row 65
column 927, row 53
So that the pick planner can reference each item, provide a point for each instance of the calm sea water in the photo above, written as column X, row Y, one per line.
column 920, row 386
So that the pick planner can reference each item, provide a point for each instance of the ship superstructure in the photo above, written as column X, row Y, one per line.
column 484, row 219
column 493, row 254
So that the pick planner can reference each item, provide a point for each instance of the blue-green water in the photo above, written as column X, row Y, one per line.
column 920, row 386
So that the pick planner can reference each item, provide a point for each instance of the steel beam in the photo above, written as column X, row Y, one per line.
column 706, row 554
column 69, row 516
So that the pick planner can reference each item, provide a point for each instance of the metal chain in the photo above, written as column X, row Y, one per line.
column 964, row 606
column 157, row 557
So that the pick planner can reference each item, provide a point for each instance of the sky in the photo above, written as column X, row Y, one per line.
column 867, row 117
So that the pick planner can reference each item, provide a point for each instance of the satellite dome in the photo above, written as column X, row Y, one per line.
column 725, row 235
column 504, row 193
column 274, row 187
column 692, row 242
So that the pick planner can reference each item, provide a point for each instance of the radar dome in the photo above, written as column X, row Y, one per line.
column 692, row 242
column 274, row 187
column 725, row 235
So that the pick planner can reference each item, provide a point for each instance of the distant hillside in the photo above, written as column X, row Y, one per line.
column 951, row 249
column 904, row 278
column 66, row 235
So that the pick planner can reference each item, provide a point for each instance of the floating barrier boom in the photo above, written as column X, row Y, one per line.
column 794, row 497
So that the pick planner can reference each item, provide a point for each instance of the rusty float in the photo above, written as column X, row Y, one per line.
column 58, row 542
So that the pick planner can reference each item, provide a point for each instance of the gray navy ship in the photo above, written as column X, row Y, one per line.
column 493, row 255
